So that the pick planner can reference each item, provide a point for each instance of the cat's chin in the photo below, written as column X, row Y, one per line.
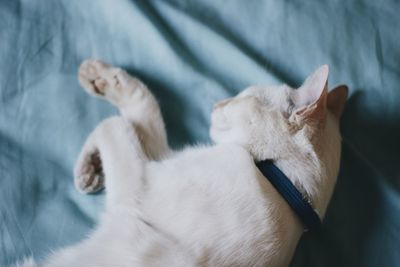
column 219, row 126
column 216, row 134
column 219, row 120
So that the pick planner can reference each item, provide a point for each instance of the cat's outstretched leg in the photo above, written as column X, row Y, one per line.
column 133, row 99
column 136, row 104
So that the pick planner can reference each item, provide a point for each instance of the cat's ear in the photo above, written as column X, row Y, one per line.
column 310, row 100
column 336, row 100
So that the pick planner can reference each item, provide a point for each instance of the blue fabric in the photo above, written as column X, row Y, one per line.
column 193, row 53
column 297, row 202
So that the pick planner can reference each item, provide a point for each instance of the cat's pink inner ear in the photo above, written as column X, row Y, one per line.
column 310, row 99
column 316, row 110
column 337, row 99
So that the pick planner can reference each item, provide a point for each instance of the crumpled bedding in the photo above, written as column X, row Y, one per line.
column 191, row 54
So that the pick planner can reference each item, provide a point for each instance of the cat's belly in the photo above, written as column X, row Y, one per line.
column 215, row 202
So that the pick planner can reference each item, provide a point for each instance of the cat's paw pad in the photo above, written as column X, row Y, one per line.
column 103, row 80
column 93, row 78
column 90, row 177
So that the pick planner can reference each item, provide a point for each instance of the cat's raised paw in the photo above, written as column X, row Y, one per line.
column 90, row 177
column 114, row 84
column 92, row 76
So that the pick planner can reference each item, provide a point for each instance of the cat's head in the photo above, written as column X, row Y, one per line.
column 273, row 122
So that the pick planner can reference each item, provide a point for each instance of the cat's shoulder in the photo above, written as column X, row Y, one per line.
column 219, row 157
column 216, row 151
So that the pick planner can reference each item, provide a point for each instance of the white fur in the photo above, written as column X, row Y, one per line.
column 205, row 205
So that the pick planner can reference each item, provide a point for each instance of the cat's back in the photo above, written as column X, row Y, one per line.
column 214, row 199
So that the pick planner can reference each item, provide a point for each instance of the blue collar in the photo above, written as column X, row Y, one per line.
column 307, row 215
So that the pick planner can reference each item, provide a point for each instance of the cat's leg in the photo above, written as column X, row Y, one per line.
column 116, row 142
column 135, row 102
column 112, row 150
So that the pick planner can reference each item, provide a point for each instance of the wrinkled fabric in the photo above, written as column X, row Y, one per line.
column 191, row 54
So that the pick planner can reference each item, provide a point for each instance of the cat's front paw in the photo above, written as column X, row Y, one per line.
column 114, row 84
column 89, row 176
column 91, row 76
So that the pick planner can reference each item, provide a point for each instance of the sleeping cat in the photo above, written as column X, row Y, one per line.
column 204, row 205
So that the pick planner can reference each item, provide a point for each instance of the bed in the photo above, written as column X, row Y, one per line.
column 191, row 54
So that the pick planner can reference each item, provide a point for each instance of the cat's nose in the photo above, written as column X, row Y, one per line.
column 220, row 104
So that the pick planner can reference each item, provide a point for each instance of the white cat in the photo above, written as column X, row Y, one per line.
column 205, row 205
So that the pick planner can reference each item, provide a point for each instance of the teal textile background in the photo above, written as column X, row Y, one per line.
column 193, row 53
